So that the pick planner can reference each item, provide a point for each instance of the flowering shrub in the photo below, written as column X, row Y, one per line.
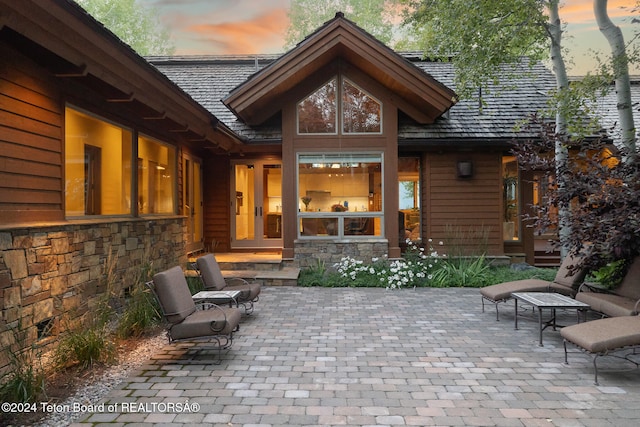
column 415, row 269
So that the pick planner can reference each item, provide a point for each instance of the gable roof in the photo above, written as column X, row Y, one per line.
column 419, row 95
column 209, row 79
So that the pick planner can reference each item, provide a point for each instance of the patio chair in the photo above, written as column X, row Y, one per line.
column 188, row 322
column 610, row 336
column 624, row 300
column 209, row 272
column 566, row 282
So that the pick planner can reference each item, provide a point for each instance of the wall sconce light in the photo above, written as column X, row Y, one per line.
column 465, row 169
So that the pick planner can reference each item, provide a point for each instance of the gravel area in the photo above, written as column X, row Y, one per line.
column 96, row 389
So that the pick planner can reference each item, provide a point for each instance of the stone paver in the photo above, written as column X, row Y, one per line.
column 373, row 357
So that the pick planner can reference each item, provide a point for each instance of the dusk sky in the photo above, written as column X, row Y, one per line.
column 220, row 27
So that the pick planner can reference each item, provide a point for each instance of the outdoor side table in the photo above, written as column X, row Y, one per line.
column 217, row 297
column 547, row 300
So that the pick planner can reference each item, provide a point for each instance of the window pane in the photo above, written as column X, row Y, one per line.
column 97, row 166
column 317, row 113
column 156, row 177
column 511, row 202
column 409, row 193
column 360, row 112
column 351, row 182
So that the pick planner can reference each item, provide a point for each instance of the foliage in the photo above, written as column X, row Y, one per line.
column 88, row 340
column 134, row 23
column 491, row 34
column 378, row 17
column 602, row 191
column 141, row 313
column 25, row 381
column 470, row 272
column 461, row 272
column 195, row 284
column 415, row 269
column 610, row 275
column 85, row 347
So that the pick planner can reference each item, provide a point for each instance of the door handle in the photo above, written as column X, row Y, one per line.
column 260, row 210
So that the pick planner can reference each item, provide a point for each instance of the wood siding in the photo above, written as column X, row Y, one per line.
column 31, row 126
column 464, row 213
column 217, row 211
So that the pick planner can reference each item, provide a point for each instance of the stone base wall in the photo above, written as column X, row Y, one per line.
column 55, row 274
column 308, row 253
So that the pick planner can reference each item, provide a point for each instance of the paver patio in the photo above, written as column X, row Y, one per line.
column 374, row 357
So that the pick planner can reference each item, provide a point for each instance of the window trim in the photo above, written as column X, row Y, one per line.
column 176, row 159
column 341, row 216
column 339, row 125
column 100, row 118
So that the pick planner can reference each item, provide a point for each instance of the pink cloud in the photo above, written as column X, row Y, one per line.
column 581, row 11
column 261, row 34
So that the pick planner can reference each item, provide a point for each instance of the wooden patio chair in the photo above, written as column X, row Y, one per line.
column 209, row 272
column 188, row 322
column 567, row 281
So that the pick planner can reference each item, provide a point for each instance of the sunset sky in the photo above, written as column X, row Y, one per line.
column 215, row 27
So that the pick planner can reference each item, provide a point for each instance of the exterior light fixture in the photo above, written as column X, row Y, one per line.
column 465, row 169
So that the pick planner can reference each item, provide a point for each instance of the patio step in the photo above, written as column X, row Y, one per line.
column 266, row 268
column 286, row 276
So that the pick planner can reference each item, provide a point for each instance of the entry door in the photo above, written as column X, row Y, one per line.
column 256, row 204
column 192, row 198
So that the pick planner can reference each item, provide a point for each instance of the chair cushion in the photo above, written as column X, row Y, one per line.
column 610, row 304
column 173, row 294
column 630, row 286
column 567, row 275
column 598, row 336
column 204, row 323
column 210, row 272
column 502, row 291
column 249, row 290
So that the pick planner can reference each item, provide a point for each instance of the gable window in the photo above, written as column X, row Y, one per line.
column 97, row 166
column 359, row 112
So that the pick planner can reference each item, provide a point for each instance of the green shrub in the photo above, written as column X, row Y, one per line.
column 25, row 380
column 141, row 313
column 461, row 272
column 85, row 347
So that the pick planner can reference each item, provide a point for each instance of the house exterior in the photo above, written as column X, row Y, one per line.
column 341, row 146
column 343, row 120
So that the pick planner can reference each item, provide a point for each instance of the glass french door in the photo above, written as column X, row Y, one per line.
column 256, row 204
column 192, row 200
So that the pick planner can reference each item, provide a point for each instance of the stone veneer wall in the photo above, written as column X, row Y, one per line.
column 307, row 253
column 57, row 272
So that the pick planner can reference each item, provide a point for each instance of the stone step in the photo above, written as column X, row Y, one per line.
column 266, row 268
column 286, row 276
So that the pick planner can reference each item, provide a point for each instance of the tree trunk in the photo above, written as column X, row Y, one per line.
column 561, row 149
column 620, row 63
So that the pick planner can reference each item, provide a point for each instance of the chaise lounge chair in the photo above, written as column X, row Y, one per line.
column 621, row 301
column 605, row 337
column 185, row 321
column 566, row 282
column 211, row 276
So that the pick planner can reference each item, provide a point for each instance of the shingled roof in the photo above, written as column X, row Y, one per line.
column 209, row 79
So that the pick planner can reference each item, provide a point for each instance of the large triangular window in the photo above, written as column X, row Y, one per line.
column 317, row 112
column 359, row 112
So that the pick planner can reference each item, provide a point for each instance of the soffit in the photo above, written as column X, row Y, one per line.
column 88, row 54
column 425, row 99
